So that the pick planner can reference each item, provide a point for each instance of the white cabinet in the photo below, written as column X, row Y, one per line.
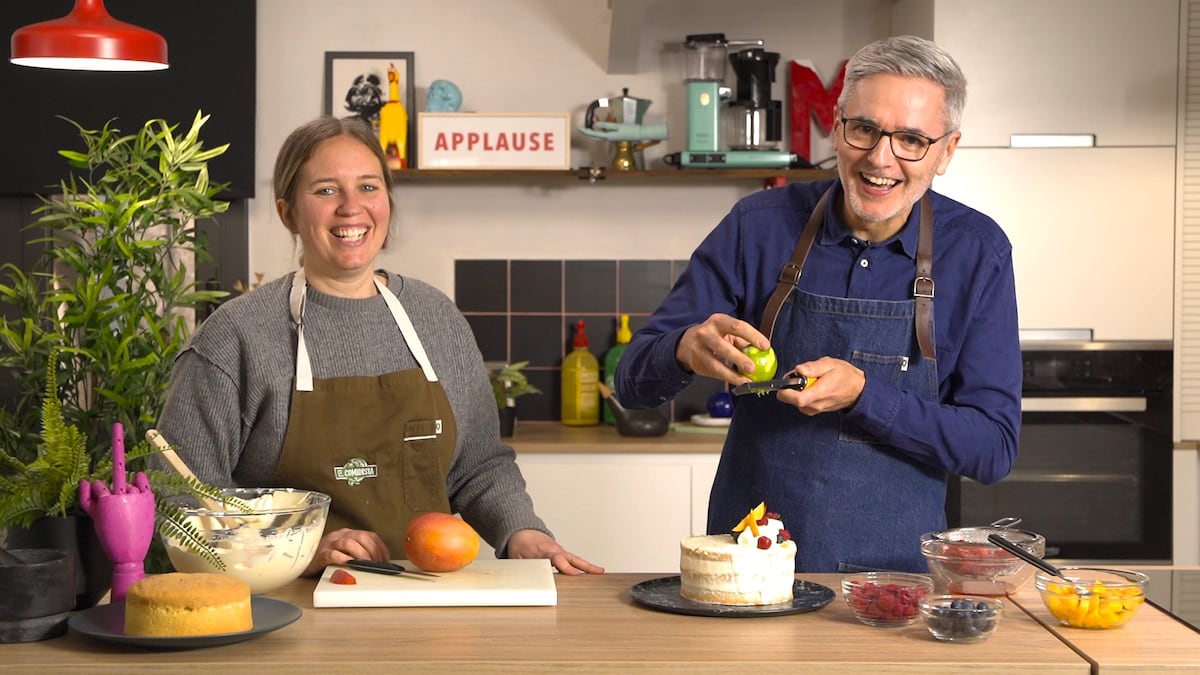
column 1092, row 232
column 1103, row 67
column 625, row 512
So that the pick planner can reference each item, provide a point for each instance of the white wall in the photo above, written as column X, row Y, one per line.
column 530, row 56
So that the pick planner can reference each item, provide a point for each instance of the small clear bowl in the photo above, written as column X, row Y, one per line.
column 1101, row 598
column 885, row 598
column 961, row 618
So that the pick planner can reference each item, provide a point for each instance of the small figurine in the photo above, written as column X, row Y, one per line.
column 443, row 96
column 123, row 517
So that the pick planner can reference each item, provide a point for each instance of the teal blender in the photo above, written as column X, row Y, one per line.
column 749, row 139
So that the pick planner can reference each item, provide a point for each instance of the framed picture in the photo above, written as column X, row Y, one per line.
column 376, row 87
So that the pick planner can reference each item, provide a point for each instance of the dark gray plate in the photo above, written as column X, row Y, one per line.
column 107, row 623
column 664, row 594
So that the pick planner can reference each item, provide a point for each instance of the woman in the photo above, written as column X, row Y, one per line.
column 351, row 380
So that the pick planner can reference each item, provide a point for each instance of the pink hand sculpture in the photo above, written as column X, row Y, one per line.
column 124, row 518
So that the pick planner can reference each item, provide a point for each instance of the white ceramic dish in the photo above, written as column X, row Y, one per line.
column 710, row 421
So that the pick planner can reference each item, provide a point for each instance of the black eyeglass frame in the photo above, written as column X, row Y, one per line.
column 890, row 136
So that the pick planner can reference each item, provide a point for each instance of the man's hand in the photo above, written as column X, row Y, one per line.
column 714, row 348
column 839, row 385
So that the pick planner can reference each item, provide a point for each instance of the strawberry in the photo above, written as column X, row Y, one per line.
column 343, row 577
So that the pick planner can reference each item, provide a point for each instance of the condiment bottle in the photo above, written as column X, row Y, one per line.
column 624, row 335
column 580, row 377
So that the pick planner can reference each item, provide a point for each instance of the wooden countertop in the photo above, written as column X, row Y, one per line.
column 1152, row 642
column 684, row 437
column 595, row 627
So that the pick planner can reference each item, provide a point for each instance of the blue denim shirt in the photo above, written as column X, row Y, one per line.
column 972, row 429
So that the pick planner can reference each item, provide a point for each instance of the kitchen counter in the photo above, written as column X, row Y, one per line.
column 596, row 627
column 545, row 437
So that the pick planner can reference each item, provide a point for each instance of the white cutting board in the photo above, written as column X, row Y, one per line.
column 482, row 583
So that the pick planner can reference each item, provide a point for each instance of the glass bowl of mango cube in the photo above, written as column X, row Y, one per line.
column 1095, row 597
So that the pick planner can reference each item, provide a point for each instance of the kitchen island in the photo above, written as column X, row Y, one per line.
column 597, row 627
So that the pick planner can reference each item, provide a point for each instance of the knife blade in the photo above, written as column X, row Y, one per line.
column 791, row 382
column 388, row 568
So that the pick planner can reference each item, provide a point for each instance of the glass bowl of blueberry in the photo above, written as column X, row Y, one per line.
column 961, row 618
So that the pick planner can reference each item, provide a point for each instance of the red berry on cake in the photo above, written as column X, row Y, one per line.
column 764, row 543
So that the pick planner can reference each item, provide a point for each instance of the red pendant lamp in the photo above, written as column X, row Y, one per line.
column 88, row 39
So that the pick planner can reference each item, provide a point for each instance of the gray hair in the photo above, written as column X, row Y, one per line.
column 910, row 56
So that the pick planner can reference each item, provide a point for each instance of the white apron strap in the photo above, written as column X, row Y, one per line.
column 407, row 330
column 304, row 376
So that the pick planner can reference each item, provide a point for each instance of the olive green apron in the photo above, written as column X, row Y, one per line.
column 380, row 446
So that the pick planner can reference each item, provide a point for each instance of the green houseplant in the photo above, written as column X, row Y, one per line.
column 101, row 315
column 112, row 291
column 508, row 384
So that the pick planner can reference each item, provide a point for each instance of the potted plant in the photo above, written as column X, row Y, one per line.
column 508, row 384
column 102, row 313
column 46, row 489
column 112, row 290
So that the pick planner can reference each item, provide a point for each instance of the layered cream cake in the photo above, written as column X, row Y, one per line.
column 176, row 604
column 753, row 565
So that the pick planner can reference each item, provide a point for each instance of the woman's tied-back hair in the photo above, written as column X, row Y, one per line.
column 301, row 143
column 910, row 56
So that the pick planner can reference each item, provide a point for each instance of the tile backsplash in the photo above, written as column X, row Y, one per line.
column 526, row 310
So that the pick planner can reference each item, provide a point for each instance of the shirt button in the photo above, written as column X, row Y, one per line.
column 863, row 263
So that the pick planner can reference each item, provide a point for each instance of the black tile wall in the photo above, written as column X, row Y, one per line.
column 527, row 310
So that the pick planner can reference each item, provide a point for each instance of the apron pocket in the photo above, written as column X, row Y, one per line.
column 423, row 473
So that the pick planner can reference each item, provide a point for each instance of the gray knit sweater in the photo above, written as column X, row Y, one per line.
column 231, row 389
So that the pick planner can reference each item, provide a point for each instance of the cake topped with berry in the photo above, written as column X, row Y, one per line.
column 754, row 564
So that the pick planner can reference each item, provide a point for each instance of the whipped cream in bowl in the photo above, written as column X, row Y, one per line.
column 263, row 536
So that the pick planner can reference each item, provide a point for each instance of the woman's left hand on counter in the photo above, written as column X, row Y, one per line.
column 537, row 544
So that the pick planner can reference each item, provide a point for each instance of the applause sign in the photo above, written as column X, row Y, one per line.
column 494, row 141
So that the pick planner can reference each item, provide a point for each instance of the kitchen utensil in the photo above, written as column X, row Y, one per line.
column 963, row 561
column 164, row 449
column 386, row 568
column 1027, row 556
column 623, row 109
column 792, row 381
column 647, row 422
column 483, row 583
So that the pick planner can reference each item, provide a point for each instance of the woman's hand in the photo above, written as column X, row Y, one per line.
column 538, row 544
column 341, row 546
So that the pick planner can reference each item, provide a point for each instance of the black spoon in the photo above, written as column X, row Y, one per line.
column 1028, row 557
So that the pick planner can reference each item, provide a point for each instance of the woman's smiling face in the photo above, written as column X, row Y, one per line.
column 340, row 210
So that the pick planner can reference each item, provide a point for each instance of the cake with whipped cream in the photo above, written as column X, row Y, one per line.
column 755, row 564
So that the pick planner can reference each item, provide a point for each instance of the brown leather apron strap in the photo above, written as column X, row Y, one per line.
column 923, row 284
column 789, row 276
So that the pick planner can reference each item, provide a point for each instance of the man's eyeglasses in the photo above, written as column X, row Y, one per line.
column 906, row 145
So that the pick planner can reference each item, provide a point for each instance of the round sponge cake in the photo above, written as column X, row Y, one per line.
column 177, row 604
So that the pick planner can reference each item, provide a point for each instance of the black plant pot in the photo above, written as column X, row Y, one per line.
column 508, row 421
column 36, row 598
column 76, row 536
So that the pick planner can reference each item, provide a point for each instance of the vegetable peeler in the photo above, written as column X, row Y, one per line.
column 792, row 381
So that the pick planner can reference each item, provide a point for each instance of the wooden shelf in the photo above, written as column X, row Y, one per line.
column 597, row 175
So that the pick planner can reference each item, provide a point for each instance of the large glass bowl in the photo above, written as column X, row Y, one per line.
column 1098, row 598
column 267, row 546
column 963, row 561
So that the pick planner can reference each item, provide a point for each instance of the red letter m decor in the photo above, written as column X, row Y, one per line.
column 810, row 97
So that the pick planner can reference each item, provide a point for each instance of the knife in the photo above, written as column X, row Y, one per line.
column 792, row 381
column 387, row 568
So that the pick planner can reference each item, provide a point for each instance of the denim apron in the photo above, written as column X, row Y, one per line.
column 849, row 501
column 380, row 446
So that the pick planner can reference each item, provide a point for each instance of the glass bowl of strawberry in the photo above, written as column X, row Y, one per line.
column 885, row 598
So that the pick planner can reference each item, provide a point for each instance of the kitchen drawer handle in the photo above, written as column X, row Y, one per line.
column 1084, row 404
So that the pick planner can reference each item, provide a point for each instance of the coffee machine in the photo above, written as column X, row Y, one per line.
column 750, row 119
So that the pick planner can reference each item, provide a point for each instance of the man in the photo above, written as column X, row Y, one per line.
column 906, row 390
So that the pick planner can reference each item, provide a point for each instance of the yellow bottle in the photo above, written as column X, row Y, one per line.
column 393, row 124
column 580, row 380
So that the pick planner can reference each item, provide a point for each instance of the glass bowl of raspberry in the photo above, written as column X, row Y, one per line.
column 885, row 598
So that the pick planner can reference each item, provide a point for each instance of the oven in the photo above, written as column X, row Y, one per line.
column 1093, row 471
